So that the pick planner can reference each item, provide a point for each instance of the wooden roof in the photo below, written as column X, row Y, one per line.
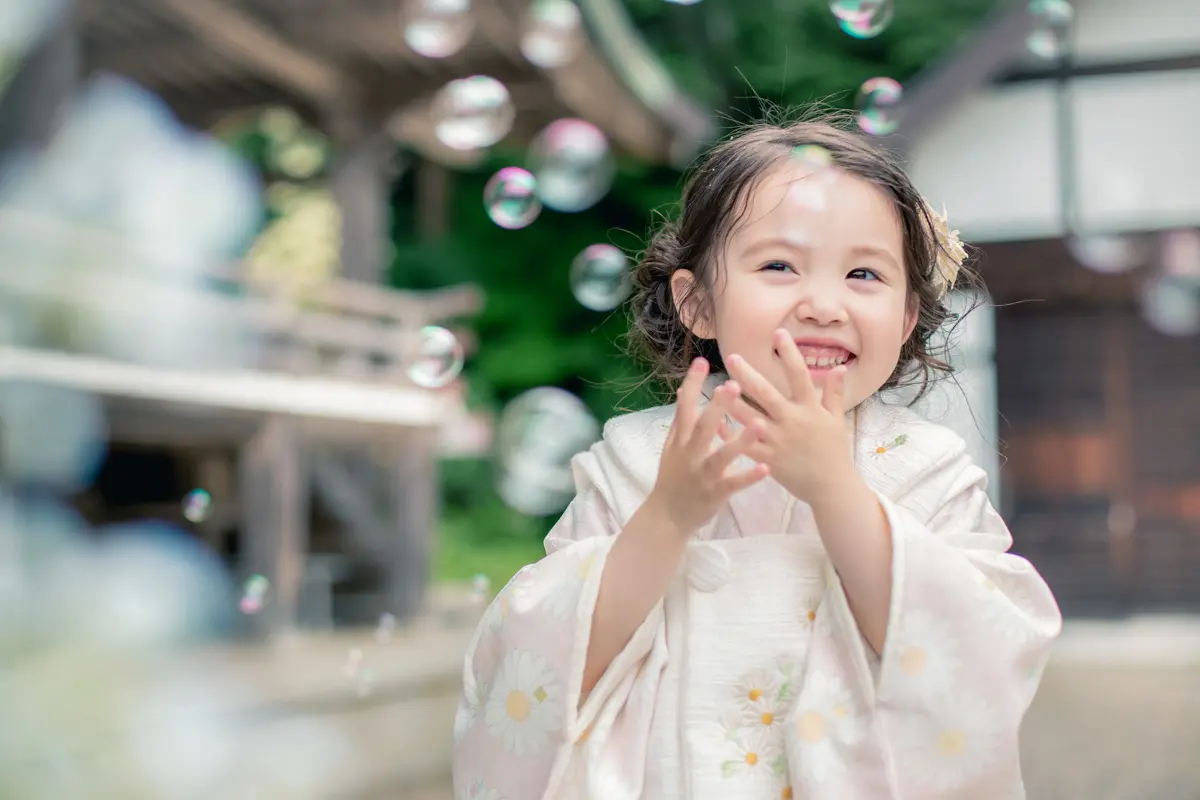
column 347, row 61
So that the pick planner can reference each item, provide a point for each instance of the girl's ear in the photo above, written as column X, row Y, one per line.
column 689, row 302
column 912, row 314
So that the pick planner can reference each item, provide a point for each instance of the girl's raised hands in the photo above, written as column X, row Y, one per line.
column 694, row 478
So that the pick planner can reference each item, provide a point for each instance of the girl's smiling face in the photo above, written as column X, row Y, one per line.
column 819, row 254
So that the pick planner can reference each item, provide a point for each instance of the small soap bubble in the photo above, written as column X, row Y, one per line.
column 1171, row 305
column 863, row 19
column 437, row 28
column 683, row 2
column 353, row 663
column 573, row 164
column 813, row 155
column 551, row 33
column 600, row 277
column 254, row 594
column 1107, row 254
column 481, row 587
column 472, row 113
column 510, row 198
column 197, row 505
column 879, row 104
column 438, row 358
column 386, row 628
column 1052, row 20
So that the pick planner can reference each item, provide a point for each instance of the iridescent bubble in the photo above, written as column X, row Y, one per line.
column 1181, row 254
column 573, row 165
column 551, row 33
column 197, row 505
column 879, row 105
column 537, row 435
column 437, row 28
column 1107, row 254
column 472, row 113
column 863, row 19
column 683, row 2
column 510, row 198
column 813, row 155
column 254, row 594
column 386, row 628
column 438, row 358
column 811, row 191
column 1052, row 19
column 481, row 587
column 600, row 277
column 1171, row 305
column 353, row 663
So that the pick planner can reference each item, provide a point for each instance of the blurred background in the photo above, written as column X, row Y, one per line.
column 306, row 306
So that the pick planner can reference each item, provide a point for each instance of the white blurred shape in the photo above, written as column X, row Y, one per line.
column 112, row 233
column 50, row 436
column 537, row 435
column 137, row 588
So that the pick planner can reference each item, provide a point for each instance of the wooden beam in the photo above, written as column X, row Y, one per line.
column 249, row 42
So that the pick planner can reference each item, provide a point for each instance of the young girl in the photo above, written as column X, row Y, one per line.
column 779, row 586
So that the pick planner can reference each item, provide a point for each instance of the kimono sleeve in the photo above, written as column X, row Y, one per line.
column 521, row 731
column 969, row 631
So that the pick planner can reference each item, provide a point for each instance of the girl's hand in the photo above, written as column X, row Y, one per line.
column 694, row 479
column 803, row 440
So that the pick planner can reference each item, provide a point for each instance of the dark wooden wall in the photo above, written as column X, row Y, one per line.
column 1100, row 416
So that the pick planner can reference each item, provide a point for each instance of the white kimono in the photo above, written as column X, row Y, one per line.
column 751, row 680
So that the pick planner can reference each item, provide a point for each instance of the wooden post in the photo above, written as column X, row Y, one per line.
column 415, row 501
column 1118, row 403
column 275, row 501
column 361, row 188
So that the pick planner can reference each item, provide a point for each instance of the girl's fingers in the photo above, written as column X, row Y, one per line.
column 721, row 458
column 741, row 480
column 713, row 417
column 687, row 406
column 747, row 414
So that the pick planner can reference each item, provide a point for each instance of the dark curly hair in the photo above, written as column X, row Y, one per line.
column 714, row 203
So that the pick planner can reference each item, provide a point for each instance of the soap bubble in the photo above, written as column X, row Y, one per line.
column 879, row 103
column 863, row 19
column 537, row 435
column 551, row 33
column 197, row 505
column 472, row 113
column 510, row 198
column 438, row 359
column 1171, row 304
column 437, row 28
column 600, row 277
column 254, row 594
column 1107, row 254
column 573, row 165
column 1053, row 22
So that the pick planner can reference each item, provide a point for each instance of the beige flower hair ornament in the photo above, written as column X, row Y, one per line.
column 950, row 253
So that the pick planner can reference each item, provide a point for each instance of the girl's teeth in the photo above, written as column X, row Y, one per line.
column 824, row 361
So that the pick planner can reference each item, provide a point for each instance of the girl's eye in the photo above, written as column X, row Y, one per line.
column 776, row 266
column 862, row 273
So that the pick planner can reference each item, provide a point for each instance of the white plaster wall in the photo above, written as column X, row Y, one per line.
column 993, row 161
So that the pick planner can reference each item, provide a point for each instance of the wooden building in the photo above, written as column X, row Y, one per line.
column 1043, row 165
column 321, row 468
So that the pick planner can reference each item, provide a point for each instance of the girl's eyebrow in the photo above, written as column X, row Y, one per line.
column 874, row 251
column 771, row 242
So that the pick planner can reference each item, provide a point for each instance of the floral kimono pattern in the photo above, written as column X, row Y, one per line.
column 751, row 679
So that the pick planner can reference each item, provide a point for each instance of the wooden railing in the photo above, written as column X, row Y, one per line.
column 335, row 327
